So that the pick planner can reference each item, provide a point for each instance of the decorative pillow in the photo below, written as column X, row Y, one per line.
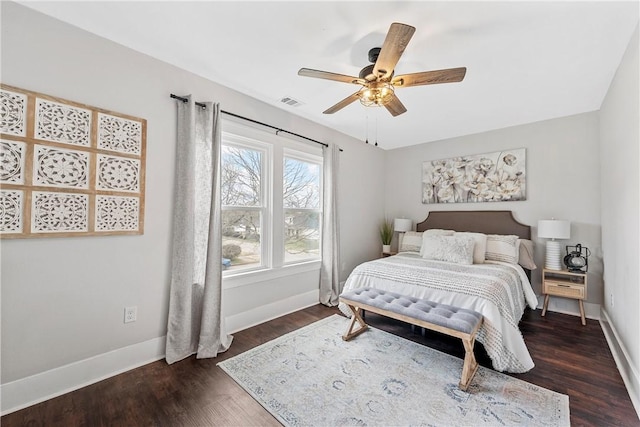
column 525, row 254
column 457, row 249
column 480, row 246
column 502, row 248
column 411, row 242
column 435, row 232
column 438, row 232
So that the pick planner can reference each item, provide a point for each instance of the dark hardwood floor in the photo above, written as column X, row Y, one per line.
column 570, row 358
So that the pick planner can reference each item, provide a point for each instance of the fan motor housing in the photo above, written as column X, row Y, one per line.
column 374, row 52
column 366, row 71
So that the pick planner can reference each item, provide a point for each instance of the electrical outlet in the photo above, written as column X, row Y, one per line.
column 130, row 314
column 611, row 300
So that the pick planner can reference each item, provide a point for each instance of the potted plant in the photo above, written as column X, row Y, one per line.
column 386, row 234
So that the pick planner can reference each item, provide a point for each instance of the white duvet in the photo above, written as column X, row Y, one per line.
column 497, row 290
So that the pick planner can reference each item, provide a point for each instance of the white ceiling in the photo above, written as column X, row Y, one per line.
column 526, row 61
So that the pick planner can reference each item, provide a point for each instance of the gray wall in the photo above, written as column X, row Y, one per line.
column 63, row 298
column 563, row 181
column 620, row 171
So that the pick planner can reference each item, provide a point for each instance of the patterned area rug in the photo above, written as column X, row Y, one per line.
column 312, row 377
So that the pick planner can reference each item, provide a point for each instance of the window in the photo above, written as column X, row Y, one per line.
column 301, row 197
column 271, row 191
column 243, row 205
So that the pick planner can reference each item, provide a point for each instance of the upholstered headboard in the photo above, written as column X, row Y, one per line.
column 488, row 222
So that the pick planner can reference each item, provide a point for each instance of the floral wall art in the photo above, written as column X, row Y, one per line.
column 490, row 177
column 68, row 169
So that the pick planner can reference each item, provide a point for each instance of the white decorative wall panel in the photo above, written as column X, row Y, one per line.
column 12, row 155
column 118, row 134
column 14, row 113
column 11, row 211
column 115, row 213
column 62, row 123
column 59, row 212
column 69, row 169
column 57, row 167
column 117, row 174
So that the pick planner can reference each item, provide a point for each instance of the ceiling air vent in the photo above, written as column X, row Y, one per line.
column 290, row 101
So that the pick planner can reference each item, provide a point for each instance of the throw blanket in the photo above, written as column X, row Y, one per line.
column 499, row 291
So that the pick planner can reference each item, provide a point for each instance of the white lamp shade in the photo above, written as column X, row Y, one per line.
column 554, row 229
column 402, row 225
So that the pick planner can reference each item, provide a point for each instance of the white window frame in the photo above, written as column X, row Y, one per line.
column 243, row 135
column 317, row 160
column 265, row 195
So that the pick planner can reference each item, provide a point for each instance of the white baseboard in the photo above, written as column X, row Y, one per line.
column 37, row 388
column 264, row 313
column 629, row 373
column 571, row 307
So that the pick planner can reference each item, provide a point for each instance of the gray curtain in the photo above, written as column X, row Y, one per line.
column 329, row 270
column 196, row 323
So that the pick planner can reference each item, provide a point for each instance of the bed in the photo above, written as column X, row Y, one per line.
column 498, row 288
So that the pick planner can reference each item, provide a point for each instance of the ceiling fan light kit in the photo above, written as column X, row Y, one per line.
column 378, row 81
column 377, row 94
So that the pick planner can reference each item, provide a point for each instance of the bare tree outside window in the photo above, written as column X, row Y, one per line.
column 241, row 176
column 241, row 184
column 248, row 240
column 301, row 195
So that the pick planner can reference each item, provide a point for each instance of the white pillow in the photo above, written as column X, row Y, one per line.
column 525, row 254
column 411, row 242
column 502, row 248
column 456, row 249
column 435, row 232
column 480, row 245
column 438, row 232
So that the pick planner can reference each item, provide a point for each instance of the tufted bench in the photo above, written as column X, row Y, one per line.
column 447, row 319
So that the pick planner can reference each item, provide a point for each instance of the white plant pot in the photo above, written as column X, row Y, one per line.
column 386, row 249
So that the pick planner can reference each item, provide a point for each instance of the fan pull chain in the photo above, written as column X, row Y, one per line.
column 366, row 122
column 376, row 130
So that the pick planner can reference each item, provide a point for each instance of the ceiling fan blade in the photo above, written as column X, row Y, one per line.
column 308, row 72
column 395, row 107
column 450, row 75
column 394, row 44
column 340, row 105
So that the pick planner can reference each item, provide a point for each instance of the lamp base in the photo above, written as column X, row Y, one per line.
column 400, row 239
column 552, row 257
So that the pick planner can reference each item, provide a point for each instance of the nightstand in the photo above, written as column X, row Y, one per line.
column 562, row 283
column 386, row 254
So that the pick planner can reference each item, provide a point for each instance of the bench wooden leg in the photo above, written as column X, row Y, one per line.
column 470, row 365
column 355, row 318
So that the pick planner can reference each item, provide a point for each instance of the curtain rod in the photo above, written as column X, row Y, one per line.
column 200, row 104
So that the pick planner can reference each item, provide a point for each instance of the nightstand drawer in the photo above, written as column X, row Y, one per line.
column 566, row 284
column 563, row 289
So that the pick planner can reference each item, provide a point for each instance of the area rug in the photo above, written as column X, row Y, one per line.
column 311, row 377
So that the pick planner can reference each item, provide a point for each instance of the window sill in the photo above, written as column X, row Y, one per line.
column 256, row 276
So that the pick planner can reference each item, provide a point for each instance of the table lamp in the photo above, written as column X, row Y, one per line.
column 553, row 229
column 402, row 225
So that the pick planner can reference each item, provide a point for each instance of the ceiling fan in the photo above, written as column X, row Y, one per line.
column 378, row 80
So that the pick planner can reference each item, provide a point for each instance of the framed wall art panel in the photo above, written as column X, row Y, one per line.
column 490, row 177
column 68, row 169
